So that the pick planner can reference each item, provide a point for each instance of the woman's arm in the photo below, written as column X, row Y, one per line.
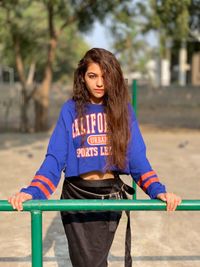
column 48, row 176
column 142, row 172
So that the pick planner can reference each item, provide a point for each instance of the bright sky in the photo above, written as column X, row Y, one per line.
column 98, row 37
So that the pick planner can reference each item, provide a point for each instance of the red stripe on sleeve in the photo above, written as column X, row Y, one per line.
column 149, row 182
column 145, row 176
column 42, row 188
column 46, row 180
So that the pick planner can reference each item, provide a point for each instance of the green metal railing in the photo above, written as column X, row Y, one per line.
column 134, row 96
column 135, row 107
column 36, row 207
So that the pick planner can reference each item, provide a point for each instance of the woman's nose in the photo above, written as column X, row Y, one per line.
column 100, row 82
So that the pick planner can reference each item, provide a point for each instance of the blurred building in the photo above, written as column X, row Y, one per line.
column 185, row 63
column 195, row 75
column 6, row 74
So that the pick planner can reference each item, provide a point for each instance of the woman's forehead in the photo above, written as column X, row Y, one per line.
column 94, row 67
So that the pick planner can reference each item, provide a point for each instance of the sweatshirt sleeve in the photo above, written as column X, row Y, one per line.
column 140, row 168
column 48, row 176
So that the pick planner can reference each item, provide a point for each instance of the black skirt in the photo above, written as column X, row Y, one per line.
column 90, row 233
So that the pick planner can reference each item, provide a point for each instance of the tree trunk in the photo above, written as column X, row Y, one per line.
column 41, row 104
column 42, row 94
column 24, row 122
column 41, row 116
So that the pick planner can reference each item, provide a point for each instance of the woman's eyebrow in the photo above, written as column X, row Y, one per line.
column 92, row 73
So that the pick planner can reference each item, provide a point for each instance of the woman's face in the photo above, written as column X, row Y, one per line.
column 95, row 83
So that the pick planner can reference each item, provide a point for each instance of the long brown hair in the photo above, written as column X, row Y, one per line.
column 115, row 100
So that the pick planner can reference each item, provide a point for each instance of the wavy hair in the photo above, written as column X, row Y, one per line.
column 116, row 101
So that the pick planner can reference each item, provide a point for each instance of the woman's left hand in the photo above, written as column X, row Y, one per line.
column 172, row 200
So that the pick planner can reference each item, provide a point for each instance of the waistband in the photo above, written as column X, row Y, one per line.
column 110, row 182
column 77, row 180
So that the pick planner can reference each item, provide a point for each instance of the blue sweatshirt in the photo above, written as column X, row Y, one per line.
column 66, row 153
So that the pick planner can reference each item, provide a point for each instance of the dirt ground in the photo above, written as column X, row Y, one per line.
column 158, row 238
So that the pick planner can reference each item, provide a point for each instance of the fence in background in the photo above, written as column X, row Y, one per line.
column 167, row 106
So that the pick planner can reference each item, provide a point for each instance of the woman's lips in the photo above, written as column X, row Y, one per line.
column 99, row 90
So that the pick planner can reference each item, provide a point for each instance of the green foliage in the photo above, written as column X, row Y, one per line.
column 94, row 10
column 71, row 48
column 173, row 18
column 194, row 20
column 28, row 21
column 129, row 45
column 25, row 21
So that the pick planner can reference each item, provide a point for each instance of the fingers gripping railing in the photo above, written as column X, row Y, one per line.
column 36, row 208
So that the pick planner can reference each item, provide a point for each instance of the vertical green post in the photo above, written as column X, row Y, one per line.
column 134, row 103
column 36, row 235
column 134, row 96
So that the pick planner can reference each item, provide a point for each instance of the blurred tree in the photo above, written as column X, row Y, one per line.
column 176, row 22
column 125, row 28
column 129, row 45
column 170, row 18
column 66, row 56
column 194, row 20
column 34, row 29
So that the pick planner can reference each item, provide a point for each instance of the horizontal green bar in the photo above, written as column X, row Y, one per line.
column 55, row 205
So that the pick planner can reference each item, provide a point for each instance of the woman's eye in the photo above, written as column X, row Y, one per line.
column 92, row 76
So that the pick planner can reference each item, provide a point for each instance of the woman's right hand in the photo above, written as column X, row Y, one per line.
column 17, row 200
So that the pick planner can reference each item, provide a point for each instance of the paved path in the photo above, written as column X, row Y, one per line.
column 159, row 238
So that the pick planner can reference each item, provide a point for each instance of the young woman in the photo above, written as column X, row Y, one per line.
column 96, row 139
